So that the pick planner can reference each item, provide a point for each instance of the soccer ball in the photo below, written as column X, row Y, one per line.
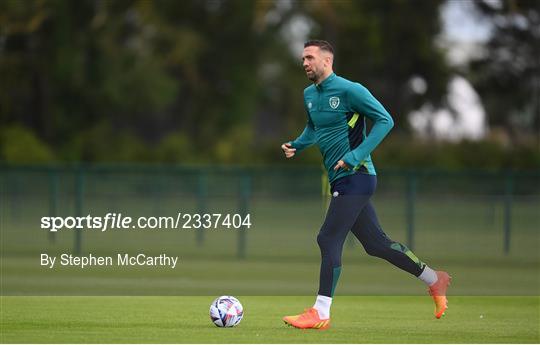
column 226, row 311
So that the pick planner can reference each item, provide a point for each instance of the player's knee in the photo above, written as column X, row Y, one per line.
column 327, row 244
column 375, row 251
column 322, row 240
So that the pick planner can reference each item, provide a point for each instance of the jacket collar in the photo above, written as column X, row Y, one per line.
column 326, row 81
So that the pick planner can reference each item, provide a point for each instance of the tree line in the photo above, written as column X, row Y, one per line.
column 221, row 81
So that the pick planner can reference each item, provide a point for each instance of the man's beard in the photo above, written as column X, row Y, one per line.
column 313, row 76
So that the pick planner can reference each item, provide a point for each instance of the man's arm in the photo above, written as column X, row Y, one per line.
column 306, row 139
column 363, row 102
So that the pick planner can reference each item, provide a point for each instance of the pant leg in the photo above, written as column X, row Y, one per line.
column 352, row 194
column 376, row 243
column 340, row 217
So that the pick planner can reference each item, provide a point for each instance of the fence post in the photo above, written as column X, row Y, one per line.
column 245, row 191
column 3, row 199
column 79, row 191
column 410, row 208
column 202, row 194
column 53, row 199
column 509, row 189
column 15, row 193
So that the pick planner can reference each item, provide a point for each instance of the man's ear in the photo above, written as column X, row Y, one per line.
column 328, row 60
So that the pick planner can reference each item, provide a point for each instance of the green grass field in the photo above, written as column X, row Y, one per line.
column 185, row 320
column 458, row 230
column 281, row 254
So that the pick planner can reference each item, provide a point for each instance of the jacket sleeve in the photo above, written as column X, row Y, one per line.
column 307, row 138
column 363, row 102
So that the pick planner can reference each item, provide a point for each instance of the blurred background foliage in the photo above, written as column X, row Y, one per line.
column 220, row 81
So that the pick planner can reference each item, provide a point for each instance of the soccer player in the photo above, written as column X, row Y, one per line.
column 336, row 112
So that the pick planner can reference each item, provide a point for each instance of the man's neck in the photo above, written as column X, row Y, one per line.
column 323, row 77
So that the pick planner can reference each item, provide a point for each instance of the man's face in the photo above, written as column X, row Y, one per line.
column 315, row 62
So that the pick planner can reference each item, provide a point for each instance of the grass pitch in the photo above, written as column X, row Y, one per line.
column 367, row 319
column 460, row 226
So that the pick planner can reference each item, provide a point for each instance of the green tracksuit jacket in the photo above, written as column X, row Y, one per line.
column 336, row 110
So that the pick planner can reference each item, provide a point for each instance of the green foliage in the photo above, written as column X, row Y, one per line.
column 403, row 152
column 137, row 86
column 175, row 148
column 218, row 82
column 235, row 147
column 142, row 71
column 102, row 142
column 20, row 145
column 508, row 75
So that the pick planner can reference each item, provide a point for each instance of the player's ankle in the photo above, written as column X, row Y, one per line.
column 428, row 276
column 322, row 306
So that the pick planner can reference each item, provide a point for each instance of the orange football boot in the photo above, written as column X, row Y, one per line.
column 438, row 292
column 309, row 319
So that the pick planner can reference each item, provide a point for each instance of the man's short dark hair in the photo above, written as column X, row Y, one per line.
column 323, row 45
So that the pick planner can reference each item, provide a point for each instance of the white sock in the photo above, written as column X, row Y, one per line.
column 322, row 304
column 428, row 276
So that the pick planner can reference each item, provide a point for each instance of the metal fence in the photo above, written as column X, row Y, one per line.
column 28, row 191
column 481, row 226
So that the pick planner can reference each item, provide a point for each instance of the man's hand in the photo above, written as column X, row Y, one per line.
column 341, row 165
column 288, row 150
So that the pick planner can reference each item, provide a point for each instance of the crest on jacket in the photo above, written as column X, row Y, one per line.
column 334, row 102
